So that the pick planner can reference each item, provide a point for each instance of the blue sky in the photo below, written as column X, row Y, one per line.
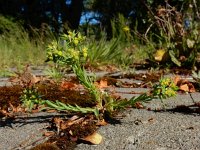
column 89, row 17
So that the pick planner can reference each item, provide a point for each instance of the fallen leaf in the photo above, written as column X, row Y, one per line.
column 103, row 84
column 3, row 113
column 184, row 88
column 94, row 138
column 161, row 55
column 177, row 79
column 49, row 133
column 139, row 105
column 101, row 123
column 191, row 88
column 66, row 85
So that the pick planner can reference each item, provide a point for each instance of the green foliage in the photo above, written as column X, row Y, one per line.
column 63, row 107
column 16, row 47
column 73, row 53
column 125, row 103
column 120, row 28
column 178, row 35
column 103, row 51
column 30, row 97
column 164, row 89
column 54, row 73
column 68, row 50
column 7, row 25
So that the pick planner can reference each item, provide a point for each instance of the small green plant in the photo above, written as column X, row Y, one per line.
column 164, row 89
column 54, row 73
column 30, row 97
column 72, row 52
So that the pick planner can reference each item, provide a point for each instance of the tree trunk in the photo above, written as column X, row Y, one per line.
column 71, row 14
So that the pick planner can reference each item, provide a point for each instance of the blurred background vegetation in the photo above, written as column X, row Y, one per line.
column 119, row 32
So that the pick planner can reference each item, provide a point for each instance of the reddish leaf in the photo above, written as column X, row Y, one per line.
column 49, row 133
column 66, row 85
column 103, row 84
column 184, row 88
column 177, row 79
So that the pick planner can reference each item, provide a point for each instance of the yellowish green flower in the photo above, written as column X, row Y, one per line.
column 85, row 51
column 126, row 29
column 75, row 55
column 170, row 92
column 165, row 82
column 60, row 53
column 76, row 41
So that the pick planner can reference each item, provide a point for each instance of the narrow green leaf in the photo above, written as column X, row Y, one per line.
column 174, row 59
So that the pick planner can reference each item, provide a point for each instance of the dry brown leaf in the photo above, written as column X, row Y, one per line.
column 101, row 123
column 35, row 79
column 64, row 124
column 48, row 133
column 70, row 122
column 66, row 85
column 103, row 83
column 191, row 88
column 57, row 122
column 184, row 88
column 16, row 109
column 185, row 85
column 3, row 113
column 94, row 138
column 177, row 79
column 35, row 111
column 139, row 105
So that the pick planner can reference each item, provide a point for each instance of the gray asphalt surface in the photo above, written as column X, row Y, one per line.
column 140, row 129
column 149, row 130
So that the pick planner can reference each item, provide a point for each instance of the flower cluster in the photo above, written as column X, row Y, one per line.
column 69, row 49
column 165, row 88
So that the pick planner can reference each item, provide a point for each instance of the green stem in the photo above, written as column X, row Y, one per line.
column 86, row 81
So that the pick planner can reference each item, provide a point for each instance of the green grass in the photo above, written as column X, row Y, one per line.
column 15, row 52
column 16, row 47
